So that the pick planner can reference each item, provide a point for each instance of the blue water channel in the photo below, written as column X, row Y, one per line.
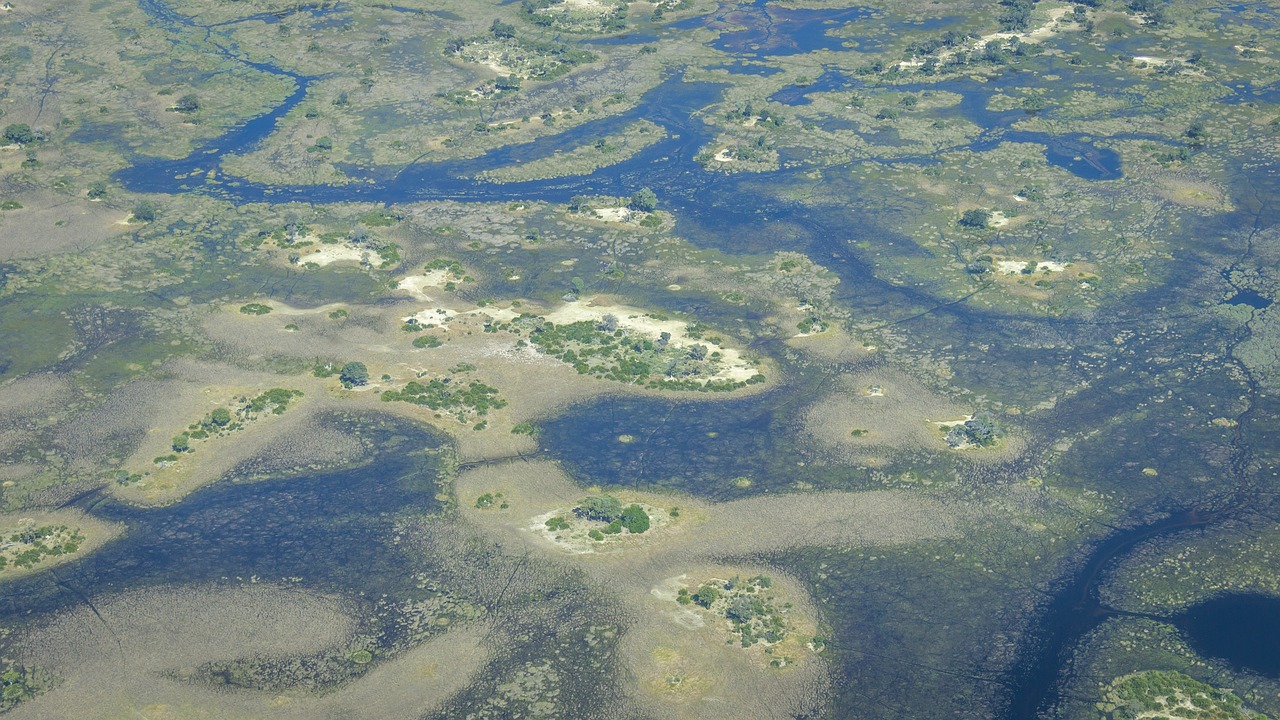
column 237, row 529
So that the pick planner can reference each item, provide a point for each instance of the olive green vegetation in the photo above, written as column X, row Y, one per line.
column 609, row 510
column 608, row 351
column 601, row 508
column 524, row 58
column 1105, row 392
column 491, row 500
column 981, row 430
column 1171, row 695
column 354, row 374
column 221, row 422
column 20, row 683
column 31, row 546
column 755, row 614
column 461, row 401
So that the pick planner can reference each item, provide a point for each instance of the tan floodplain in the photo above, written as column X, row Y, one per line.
column 126, row 656
column 683, row 664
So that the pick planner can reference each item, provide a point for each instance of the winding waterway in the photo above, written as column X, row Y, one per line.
column 669, row 166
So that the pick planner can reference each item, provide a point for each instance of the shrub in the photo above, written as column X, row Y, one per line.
column 635, row 519
column 427, row 341
column 144, row 211
column 188, row 103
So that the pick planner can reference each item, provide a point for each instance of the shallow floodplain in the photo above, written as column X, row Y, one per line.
column 1054, row 221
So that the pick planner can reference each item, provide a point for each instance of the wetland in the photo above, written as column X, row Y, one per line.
column 785, row 358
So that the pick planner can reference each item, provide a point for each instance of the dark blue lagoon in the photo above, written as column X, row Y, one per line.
column 1242, row 629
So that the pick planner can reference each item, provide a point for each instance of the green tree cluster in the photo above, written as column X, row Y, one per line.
column 19, row 134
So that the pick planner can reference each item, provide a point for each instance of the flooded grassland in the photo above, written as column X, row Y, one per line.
column 578, row 359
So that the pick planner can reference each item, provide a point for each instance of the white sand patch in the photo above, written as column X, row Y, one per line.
column 576, row 540
column 328, row 254
column 1014, row 267
column 952, row 423
column 498, row 314
column 282, row 309
column 1150, row 60
column 526, row 355
column 496, row 66
column 732, row 365
column 433, row 317
column 613, row 214
column 997, row 219
column 724, row 156
column 418, row 284
column 593, row 5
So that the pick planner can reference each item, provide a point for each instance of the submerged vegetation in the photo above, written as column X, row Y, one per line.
column 1060, row 217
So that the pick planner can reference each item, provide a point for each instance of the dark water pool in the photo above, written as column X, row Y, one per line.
column 1250, row 298
column 333, row 530
column 1242, row 629
column 763, row 29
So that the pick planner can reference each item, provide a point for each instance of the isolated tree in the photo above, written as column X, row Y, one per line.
column 19, row 134
column 188, row 103
column 643, row 200
column 977, row 219
column 601, row 508
column 145, row 211
column 354, row 373
column 502, row 30
column 97, row 190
